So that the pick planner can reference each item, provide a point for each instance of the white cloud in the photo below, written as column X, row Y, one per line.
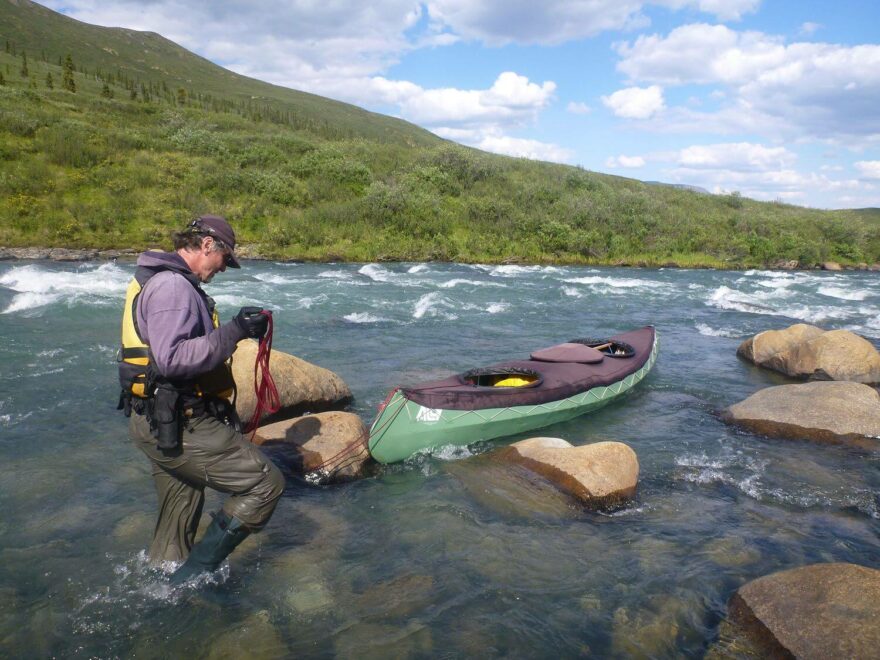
column 868, row 169
column 740, row 156
column 810, row 90
column 625, row 161
column 809, row 28
column 578, row 108
column 522, row 148
column 635, row 102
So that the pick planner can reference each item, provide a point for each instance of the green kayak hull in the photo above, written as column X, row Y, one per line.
column 405, row 427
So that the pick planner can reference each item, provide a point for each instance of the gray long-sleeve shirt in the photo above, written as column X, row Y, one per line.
column 174, row 320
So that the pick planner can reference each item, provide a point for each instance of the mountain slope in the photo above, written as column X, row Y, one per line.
column 148, row 57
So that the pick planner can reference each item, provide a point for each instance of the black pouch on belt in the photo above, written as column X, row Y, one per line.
column 164, row 415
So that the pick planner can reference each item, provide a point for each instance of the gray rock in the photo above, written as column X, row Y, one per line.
column 805, row 351
column 765, row 345
column 833, row 355
column 831, row 265
column 598, row 474
column 835, row 412
column 332, row 442
column 302, row 386
column 819, row 611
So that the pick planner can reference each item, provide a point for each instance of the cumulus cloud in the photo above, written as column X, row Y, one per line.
column 809, row 28
column 635, row 102
column 523, row 148
column 868, row 169
column 739, row 156
column 625, row 161
column 807, row 89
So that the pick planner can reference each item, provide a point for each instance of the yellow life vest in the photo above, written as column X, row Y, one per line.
column 134, row 357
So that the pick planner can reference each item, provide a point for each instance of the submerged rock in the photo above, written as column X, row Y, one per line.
column 333, row 442
column 805, row 351
column 254, row 637
column 817, row 611
column 840, row 413
column 302, row 386
column 600, row 473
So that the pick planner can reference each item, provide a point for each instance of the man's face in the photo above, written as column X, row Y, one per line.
column 210, row 260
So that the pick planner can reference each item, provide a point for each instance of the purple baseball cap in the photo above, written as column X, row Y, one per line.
column 216, row 226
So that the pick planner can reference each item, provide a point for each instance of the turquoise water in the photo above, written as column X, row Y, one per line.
column 445, row 555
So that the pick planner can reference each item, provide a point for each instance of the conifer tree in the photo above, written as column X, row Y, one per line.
column 106, row 92
column 24, row 66
column 133, row 94
column 2, row 79
column 67, row 80
column 49, row 82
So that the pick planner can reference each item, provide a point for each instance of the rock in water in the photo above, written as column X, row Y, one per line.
column 819, row 611
column 333, row 442
column 833, row 355
column 302, row 386
column 805, row 351
column 598, row 474
column 847, row 413
column 764, row 345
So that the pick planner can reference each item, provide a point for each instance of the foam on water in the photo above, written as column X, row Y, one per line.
column 708, row 331
column 418, row 268
column 843, row 294
column 37, row 286
column 511, row 270
column 376, row 273
column 335, row 274
column 572, row 292
column 363, row 317
column 497, row 308
column 450, row 284
column 271, row 278
column 433, row 304
column 603, row 283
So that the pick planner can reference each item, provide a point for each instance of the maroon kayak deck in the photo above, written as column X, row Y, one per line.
column 552, row 380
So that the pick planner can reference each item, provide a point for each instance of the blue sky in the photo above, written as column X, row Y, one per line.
column 777, row 100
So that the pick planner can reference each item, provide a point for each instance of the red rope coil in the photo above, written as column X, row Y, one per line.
column 268, row 401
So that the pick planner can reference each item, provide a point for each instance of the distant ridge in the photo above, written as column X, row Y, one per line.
column 150, row 57
column 680, row 186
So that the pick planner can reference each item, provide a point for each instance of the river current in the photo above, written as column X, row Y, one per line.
column 444, row 555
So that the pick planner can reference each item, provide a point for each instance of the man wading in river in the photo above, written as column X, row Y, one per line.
column 176, row 386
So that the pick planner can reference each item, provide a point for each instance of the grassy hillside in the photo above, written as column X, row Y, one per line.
column 154, row 134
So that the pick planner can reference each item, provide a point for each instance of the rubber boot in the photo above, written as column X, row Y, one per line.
column 222, row 537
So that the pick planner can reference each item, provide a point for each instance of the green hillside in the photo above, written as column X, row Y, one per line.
column 151, row 134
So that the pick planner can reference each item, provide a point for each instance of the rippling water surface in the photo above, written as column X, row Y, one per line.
column 444, row 555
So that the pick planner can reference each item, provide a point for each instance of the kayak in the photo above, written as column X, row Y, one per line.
column 553, row 385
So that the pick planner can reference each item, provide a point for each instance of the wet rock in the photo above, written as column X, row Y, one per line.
column 765, row 345
column 818, row 611
column 597, row 474
column 833, row 355
column 792, row 264
column 135, row 529
column 831, row 265
column 306, row 592
column 367, row 641
column 400, row 598
column 839, row 413
column 643, row 633
column 255, row 637
column 510, row 490
column 332, row 442
column 731, row 552
column 805, row 351
column 302, row 386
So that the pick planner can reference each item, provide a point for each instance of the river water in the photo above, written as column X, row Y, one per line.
column 444, row 555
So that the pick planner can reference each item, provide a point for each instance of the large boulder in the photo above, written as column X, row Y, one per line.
column 833, row 355
column 765, row 345
column 598, row 474
column 805, row 351
column 329, row 446
column 840, row 413
column 302, row 386
column 819, row 611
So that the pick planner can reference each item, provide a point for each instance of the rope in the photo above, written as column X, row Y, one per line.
column 268, row 400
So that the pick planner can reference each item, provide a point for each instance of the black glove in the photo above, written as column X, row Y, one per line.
column 252, row 322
